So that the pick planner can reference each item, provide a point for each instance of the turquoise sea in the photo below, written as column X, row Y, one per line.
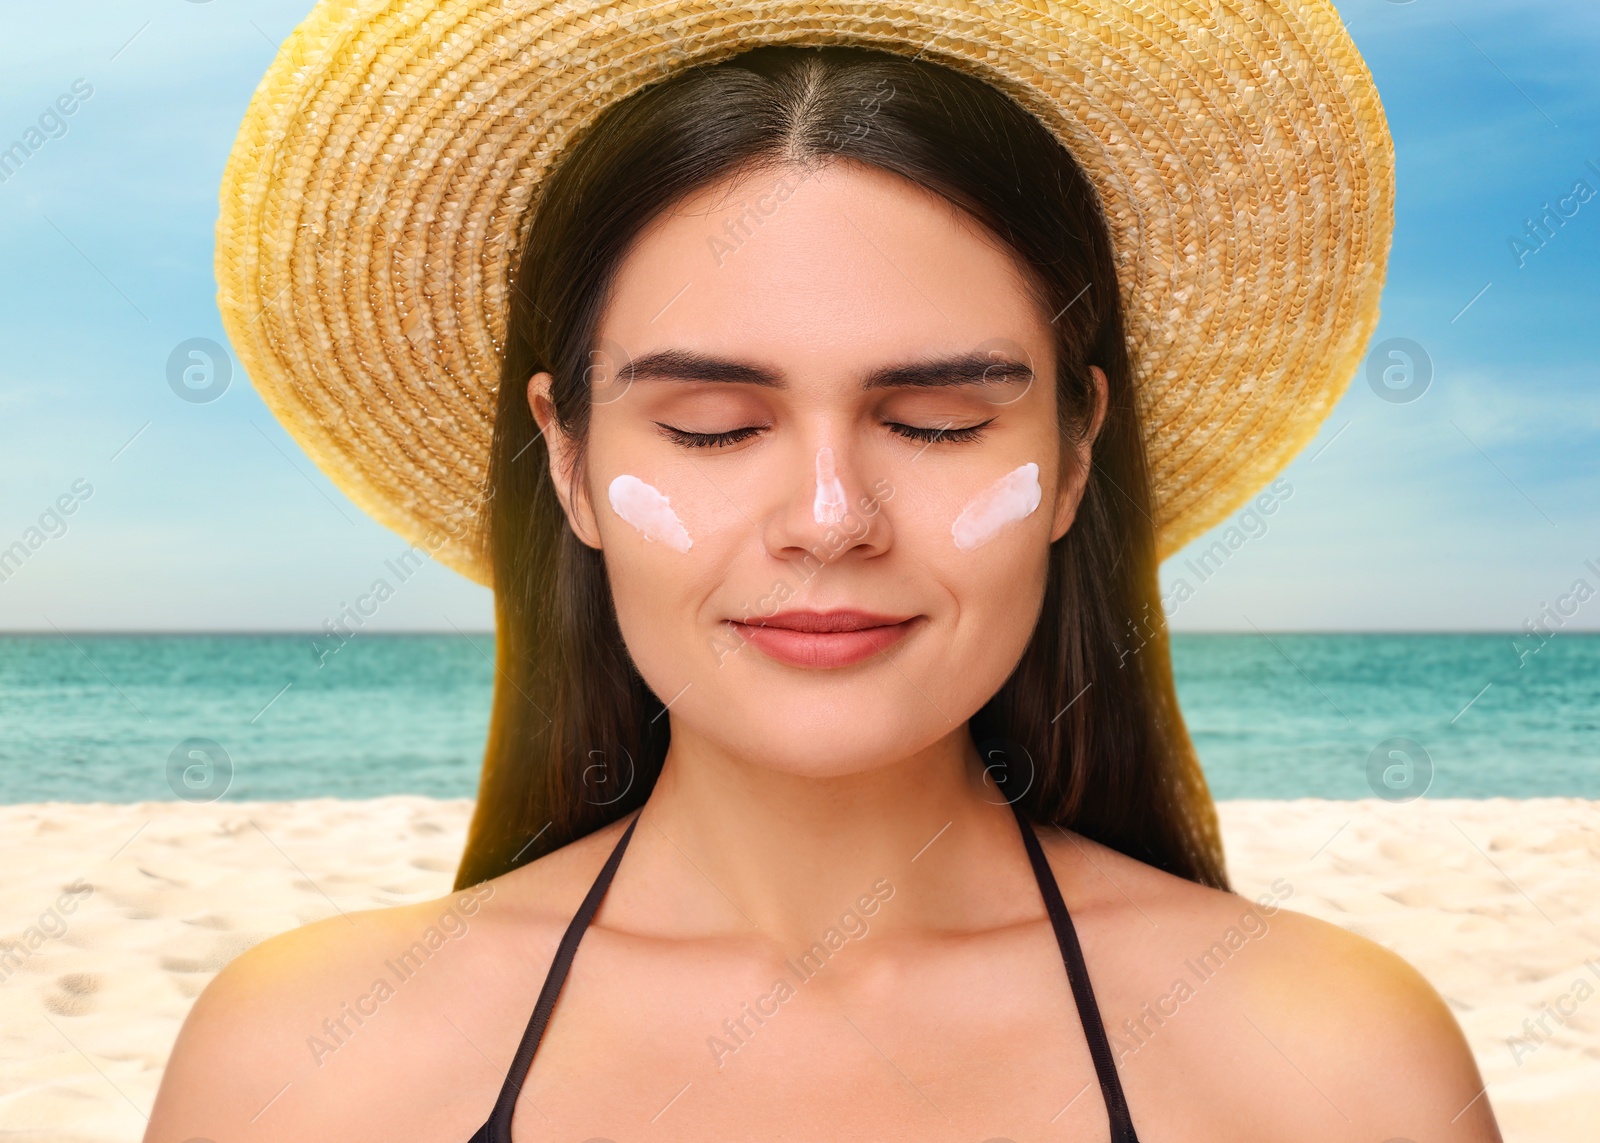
column 88, row 718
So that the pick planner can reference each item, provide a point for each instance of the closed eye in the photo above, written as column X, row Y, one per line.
column 942, row 433
column 939, row 434
column 707, row 440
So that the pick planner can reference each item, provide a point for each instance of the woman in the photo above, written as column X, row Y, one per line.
column 833, row 710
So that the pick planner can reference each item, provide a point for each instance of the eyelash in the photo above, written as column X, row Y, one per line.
column 909, row 432
column 707, row 440
column 953, row 436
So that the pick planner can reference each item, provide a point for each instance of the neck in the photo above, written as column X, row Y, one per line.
column 754, row 850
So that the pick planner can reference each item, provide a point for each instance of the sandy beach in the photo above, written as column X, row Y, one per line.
column 114, row 917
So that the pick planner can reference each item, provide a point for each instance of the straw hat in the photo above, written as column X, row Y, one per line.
column 383, row 173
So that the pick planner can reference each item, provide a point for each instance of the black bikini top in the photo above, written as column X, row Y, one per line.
column 497, row 1129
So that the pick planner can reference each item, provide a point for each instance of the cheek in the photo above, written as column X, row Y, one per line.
column 997, row 590
column 668, row 539
column 649, row 512
column 657, row 593
column 988, row 546
column 998, row 582
column 1008, row 501
column 971, row 524
column 644, row 497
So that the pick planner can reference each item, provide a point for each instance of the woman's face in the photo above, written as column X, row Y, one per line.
column 823, row 402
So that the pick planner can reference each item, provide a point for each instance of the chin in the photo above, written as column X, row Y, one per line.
column 828, row 723
column 805, row 735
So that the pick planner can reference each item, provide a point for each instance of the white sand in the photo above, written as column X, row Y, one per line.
column 1496, row 901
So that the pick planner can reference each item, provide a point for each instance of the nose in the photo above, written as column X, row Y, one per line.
column 828, row 507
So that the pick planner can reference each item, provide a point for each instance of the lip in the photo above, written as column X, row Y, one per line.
column 824, row 639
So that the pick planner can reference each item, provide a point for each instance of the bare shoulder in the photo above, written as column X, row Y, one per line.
column 1245, row 1004
column 383, row 1024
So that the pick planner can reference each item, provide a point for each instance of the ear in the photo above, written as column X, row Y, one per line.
column 571, row 488
column 1075, row 478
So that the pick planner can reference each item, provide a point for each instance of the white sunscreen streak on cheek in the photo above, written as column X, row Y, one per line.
column 829, row 505
column 1009, row 499
column 649, row 511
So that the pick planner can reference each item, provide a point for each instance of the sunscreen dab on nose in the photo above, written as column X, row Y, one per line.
column 649, row 511
column 829, row 505
column 1011, row 498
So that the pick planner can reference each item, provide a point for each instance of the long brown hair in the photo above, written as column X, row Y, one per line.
column 1086, row 733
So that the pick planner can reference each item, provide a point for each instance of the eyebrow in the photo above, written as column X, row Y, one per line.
column 944, row 372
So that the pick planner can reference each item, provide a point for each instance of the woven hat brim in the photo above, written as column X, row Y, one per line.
column 381, row 180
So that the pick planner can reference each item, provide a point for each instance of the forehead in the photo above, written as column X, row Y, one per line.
column 832, row 269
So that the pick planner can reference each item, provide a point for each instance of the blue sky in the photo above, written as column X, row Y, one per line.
column 1466, row 509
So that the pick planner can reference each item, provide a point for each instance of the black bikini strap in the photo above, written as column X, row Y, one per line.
column 1082, row 992
column 499, row 1125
